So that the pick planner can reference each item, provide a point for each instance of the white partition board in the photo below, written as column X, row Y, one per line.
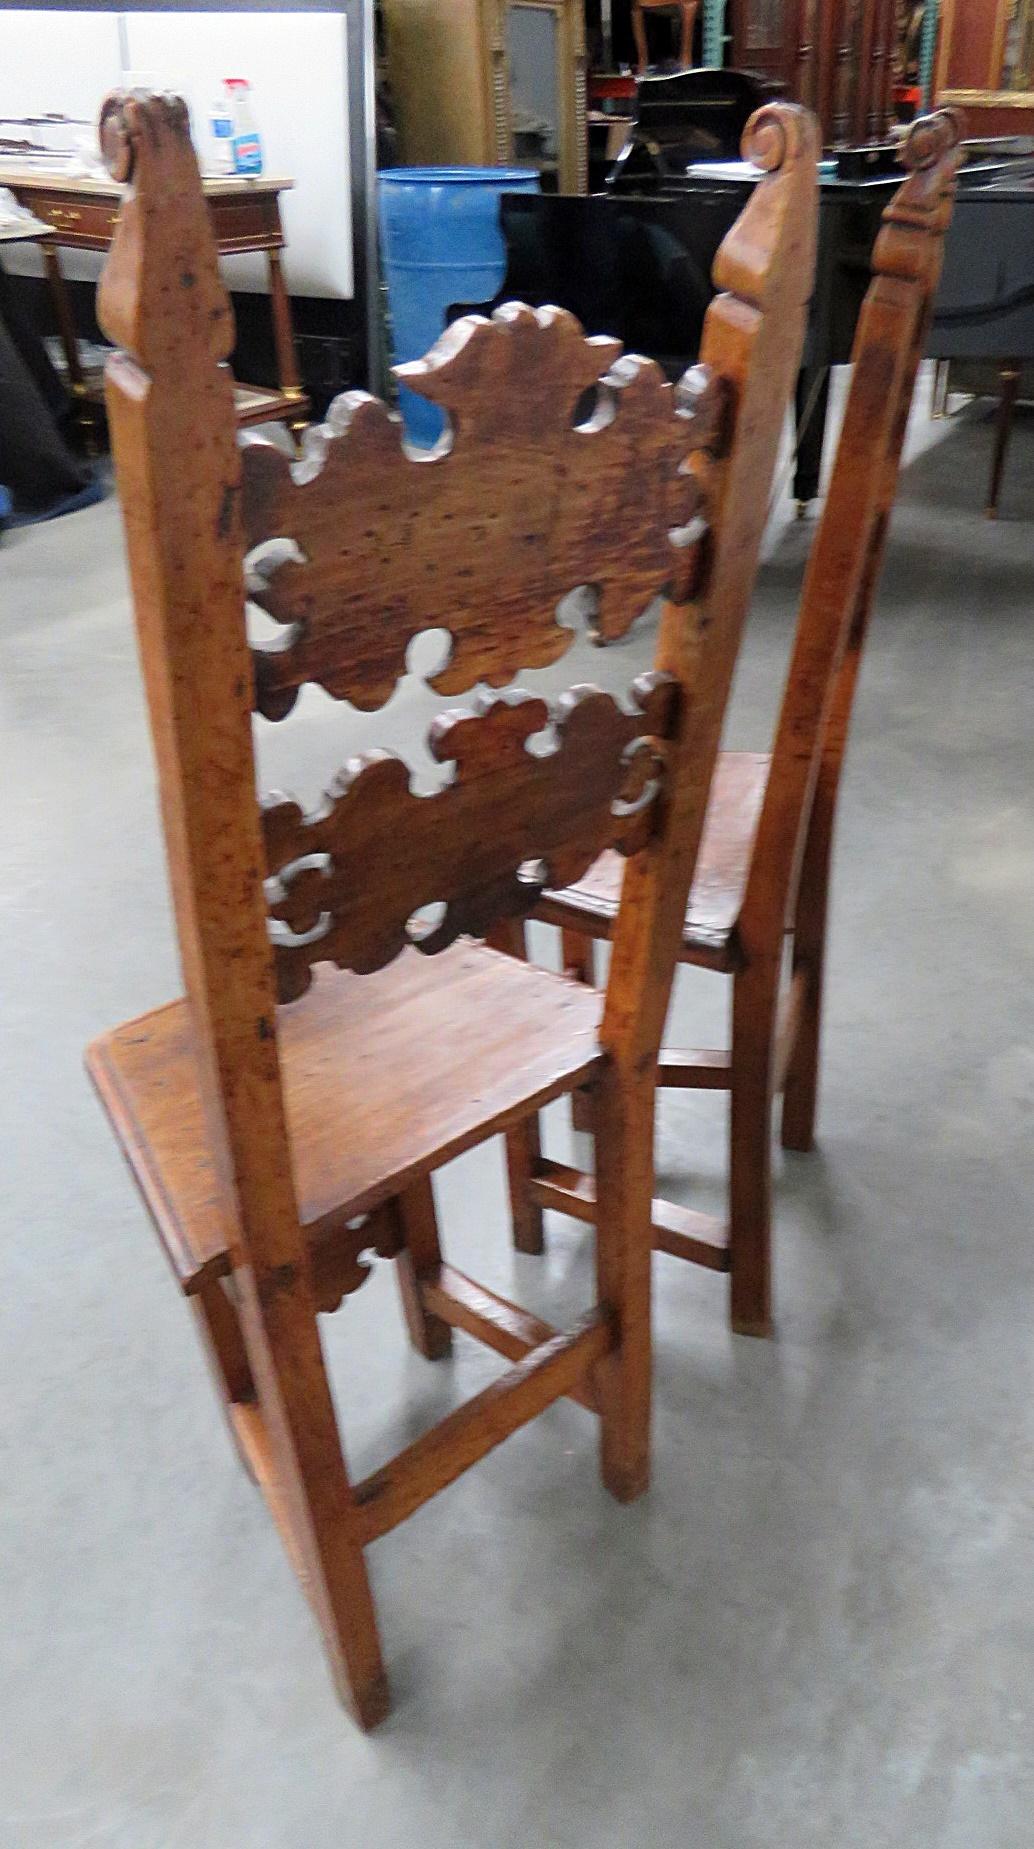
column 57, row 63
column 65, row 62
column 297, row 64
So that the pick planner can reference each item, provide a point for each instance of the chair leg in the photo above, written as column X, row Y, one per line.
column 755, row 995
column 333, row 1573
column 523, row 1143
column 302, row 1468
column 579, row 959
column 801, row 1080
column 219, row 1325
column 624, row 1251
column 689, row 19
column 801, row 1086
column 639, row 35
column 939, row 389
column 344, row 1607
column 523, row 1150
column 420, row 1257
column 1009, row 379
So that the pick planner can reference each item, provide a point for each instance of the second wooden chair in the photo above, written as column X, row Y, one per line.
column 762, row 878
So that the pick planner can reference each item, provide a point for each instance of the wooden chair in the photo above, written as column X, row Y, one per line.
column 763, row 870
column 278, row 1125
column 686, row 11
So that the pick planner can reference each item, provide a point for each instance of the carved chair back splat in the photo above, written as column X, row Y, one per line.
column 764, row 865
column 335, row 1046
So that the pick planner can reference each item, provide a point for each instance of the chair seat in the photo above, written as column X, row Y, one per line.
column 385, row 1078
column 720, row 880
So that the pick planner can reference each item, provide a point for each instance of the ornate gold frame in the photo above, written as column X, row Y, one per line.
column 572, row 137
column 992, row 97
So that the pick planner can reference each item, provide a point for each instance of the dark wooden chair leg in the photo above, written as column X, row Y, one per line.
column 219, row 1326
column 624, row 1253
column 801, row 1084
column 295, row 1445
column 754, row 1005
column 332, row 1568
column 523, row 1151
column 420, row 1258
column 812, row 411
column 1009, row 378
column 939, row 389
column 639, row 34
column 689, row 20
column 312, row 1503
column 523, row 1142
column 579, row 958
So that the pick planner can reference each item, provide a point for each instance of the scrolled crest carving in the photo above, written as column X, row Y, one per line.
column 483, row 537
column 160, row 296
column 909, row 245
column 346, row 883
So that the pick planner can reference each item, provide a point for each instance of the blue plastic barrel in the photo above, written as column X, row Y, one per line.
column 440, row 244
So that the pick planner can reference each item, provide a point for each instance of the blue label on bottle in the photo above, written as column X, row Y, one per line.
column 222, row 128
column 247, row 154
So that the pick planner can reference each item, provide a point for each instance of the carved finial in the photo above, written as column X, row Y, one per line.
column 931, row 137
column 766, row 140
column 914, row 223
column 160, row 296
column 783, row 140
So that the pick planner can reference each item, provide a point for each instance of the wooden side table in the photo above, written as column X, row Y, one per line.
column 81, row 214
column 34, row 231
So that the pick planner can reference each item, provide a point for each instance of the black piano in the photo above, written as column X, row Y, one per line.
column 635, row 260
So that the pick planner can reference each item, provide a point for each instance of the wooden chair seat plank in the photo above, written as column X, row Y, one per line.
column 733, row 809
column 377, row 1079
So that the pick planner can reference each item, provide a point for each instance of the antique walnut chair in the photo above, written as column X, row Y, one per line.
column 335, row 1046
column 760, row 888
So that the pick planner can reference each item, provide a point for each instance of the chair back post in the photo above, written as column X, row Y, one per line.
column 849, row 547
column 753, row 337
column 174, row 437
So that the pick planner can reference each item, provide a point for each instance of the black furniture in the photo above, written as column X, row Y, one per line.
column 984, row 327
column 635, row 260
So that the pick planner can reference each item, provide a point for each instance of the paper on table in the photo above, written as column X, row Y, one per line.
column 724, row 170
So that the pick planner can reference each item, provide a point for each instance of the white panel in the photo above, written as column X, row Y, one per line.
column 297, row 66
column 59, row 63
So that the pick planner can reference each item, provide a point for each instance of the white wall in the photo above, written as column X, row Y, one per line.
column 65, row 62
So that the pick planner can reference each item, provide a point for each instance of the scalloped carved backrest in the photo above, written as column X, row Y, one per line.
column 660, row 489
column 483, row 537
column 349, row 881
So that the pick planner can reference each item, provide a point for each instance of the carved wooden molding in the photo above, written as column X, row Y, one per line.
column 932, row 153
column 341, row 1256
column 484, row 537
column 346, row 883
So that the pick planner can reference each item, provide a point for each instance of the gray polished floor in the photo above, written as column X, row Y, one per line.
column 817, row 1631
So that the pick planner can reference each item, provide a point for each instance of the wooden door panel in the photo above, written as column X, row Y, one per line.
column 765, row 39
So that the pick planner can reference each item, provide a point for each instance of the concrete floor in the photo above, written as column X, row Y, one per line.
column 818, row 1628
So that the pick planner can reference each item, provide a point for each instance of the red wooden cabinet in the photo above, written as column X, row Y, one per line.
column 837, row 56
column 986, row 64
